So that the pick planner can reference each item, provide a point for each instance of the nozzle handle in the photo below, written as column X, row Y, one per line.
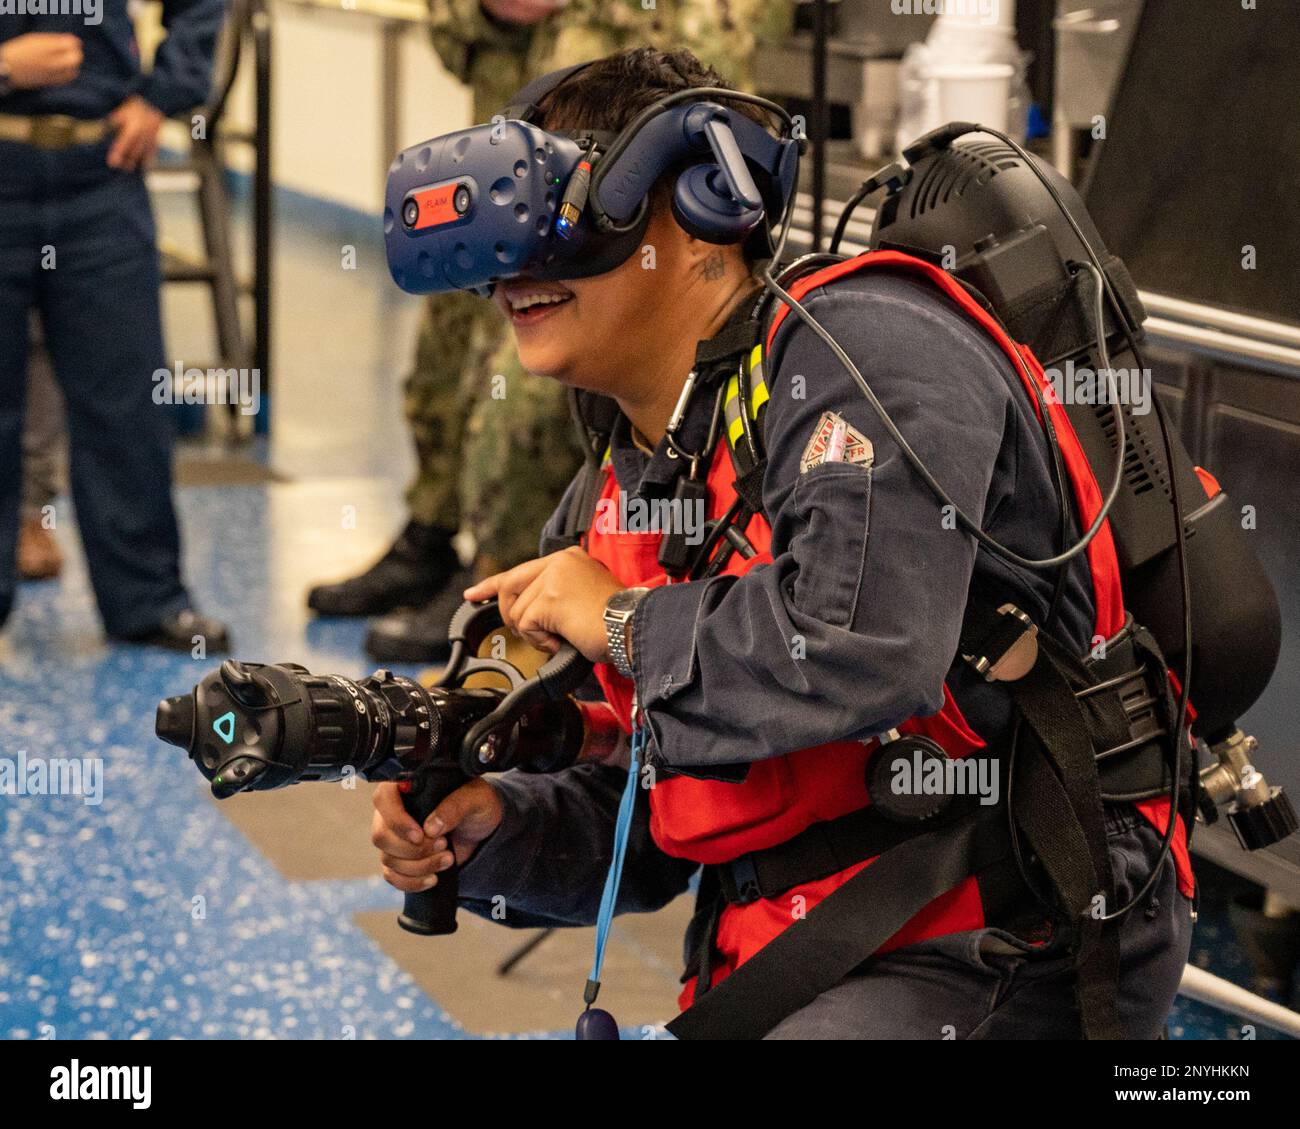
column 431, row 913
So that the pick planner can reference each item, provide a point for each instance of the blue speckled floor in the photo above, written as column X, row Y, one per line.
column 98, row 932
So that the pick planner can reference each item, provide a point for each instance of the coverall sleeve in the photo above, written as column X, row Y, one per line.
column 853, row 626
column 182, row 68
column 461, row 27
column 545, row 865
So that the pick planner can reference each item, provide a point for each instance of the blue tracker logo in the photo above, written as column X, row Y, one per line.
column 102, row 1083
column 224, row 727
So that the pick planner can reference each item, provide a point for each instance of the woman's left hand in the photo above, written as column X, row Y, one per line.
column 555, row 599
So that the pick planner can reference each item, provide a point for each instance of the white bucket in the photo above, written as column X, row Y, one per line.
column 974, row 92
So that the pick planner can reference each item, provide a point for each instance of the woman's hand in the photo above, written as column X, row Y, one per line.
column 136, row 124
column 411, row 856
column 41, row 58
column 554, row 599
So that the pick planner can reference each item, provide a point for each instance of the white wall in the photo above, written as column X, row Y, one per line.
column 328, row 101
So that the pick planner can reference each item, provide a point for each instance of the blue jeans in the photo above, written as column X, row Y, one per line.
column 986, row 984
column 77, row 246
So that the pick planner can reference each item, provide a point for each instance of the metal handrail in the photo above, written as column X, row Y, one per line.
column 1206, row 988
column 1240, row 325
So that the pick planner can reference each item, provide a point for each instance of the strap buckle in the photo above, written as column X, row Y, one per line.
column 742, row 875
column 52, row 131
column 1010, row 648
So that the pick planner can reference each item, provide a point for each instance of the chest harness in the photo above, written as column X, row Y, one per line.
column 1087, row 730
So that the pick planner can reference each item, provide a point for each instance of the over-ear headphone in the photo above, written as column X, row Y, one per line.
column 511, row 198
column 718, row 200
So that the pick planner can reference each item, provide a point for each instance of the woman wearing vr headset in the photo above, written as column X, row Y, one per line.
column 828, row 626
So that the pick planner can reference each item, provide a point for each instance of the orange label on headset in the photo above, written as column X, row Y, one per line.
column 437, row 206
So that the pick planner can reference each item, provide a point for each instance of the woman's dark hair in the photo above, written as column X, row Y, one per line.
column 611, row 92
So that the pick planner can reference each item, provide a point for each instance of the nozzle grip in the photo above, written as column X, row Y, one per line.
column 431, row 913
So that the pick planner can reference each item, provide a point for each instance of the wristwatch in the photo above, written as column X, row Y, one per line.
column 619, row 610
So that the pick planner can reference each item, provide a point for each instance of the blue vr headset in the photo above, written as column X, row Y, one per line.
column 498, row 201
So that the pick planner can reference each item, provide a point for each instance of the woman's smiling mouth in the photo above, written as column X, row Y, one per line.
column 527, row 303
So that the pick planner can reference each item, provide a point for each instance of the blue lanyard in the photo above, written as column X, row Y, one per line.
column 622, row 830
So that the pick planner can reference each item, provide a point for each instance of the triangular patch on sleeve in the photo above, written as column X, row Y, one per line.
column 835, row 440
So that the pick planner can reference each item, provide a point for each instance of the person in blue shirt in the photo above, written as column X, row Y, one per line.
column 79, row 123
column 758, row 689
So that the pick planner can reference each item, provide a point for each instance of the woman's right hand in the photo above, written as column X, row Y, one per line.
column 410, row 855
column 41, row 58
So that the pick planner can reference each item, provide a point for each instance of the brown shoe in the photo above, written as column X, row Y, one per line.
column 39, row 557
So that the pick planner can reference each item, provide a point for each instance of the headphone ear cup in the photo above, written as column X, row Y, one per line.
column 705, row 209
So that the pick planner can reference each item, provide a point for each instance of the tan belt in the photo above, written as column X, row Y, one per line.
column 51, row 131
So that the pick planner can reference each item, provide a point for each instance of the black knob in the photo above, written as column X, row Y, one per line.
column 174, row 721
column 243, row 685
column 1262, row 825
column 910, row 754
column 236, row 775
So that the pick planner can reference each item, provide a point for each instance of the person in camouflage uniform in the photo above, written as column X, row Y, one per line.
column 494, row 447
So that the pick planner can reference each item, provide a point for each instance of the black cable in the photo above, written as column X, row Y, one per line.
column 1180, row 536
column 1180, row 530
column 842, row 224
column 1180, row 719
column 923, row 471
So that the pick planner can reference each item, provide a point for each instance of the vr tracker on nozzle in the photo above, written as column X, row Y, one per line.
column 252, row 727
column 509, row 199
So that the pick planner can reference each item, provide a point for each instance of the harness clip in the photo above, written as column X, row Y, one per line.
column 744, row 875
column 1018, row 636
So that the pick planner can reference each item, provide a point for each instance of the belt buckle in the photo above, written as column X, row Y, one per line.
column 53, row 131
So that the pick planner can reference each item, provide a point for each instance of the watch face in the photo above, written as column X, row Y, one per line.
column 625, row 600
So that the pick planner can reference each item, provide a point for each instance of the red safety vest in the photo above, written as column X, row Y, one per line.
column 713, row 822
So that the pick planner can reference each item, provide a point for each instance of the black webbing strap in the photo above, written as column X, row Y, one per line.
column 593, row 419
column 1057, row 803
column 578, row 517
column 526, row 103
column 823, row 849
column 749, row 486
column 734, row 339
column 838, row 934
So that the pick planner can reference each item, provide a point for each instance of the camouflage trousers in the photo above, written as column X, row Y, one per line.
column 495, row 445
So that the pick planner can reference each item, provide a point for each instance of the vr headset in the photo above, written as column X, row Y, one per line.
column 509, row 199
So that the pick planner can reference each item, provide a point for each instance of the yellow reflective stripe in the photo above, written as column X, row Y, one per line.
column 735, row 430
column 733, row 390
column 609, row 455
column 757, row 385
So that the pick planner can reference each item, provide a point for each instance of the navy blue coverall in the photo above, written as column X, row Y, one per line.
column 77, row 244
column 867, row 572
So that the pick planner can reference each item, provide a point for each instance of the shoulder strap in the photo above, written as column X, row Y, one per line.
column 593, row 418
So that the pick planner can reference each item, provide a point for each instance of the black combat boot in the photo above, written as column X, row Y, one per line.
column 182, row 631
column 420, row 634
column 412, row 572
